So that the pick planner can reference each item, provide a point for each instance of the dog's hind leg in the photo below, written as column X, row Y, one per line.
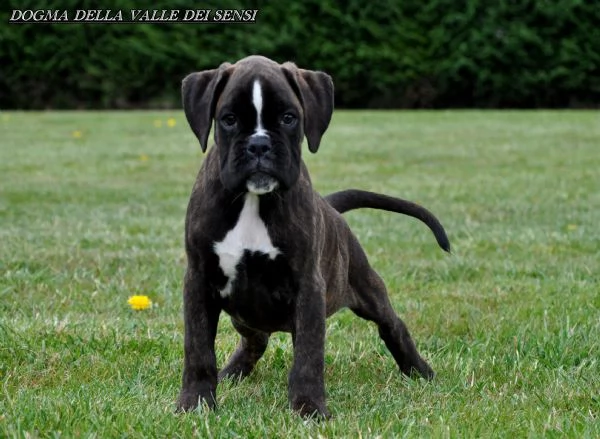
column 251, row 347
column 372, row 303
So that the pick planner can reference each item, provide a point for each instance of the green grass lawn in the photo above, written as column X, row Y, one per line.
column 92, row 208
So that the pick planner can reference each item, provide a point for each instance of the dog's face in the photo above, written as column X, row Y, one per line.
column 262, row 110
column 258, row 131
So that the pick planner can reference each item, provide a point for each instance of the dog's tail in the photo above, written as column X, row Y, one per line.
column 351, row 199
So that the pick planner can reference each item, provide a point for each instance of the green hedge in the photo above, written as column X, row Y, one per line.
column 381, row 53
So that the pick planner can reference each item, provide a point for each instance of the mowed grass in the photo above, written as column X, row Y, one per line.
column 91, row 211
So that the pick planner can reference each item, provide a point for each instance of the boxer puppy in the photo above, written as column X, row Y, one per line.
column 262, row 245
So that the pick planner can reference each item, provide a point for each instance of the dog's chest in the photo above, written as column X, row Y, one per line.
column 260, row 286
column 248, row 239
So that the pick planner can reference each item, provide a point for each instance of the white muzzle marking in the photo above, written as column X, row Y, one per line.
column 263, row 188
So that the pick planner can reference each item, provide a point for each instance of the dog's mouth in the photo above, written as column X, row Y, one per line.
column 260, row 183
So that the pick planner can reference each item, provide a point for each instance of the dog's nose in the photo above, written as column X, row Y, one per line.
column 258, row 146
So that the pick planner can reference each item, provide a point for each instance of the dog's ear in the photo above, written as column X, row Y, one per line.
column 315, row 91
column 200, row 92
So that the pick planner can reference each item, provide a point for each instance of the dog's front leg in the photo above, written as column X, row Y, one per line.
column 306, row 384
column 201, row 316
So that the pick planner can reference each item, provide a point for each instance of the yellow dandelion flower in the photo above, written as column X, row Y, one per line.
column 572, row 227
column 139, row 302
column 171, row 122
column 144, row 158
column 158, row 123
column 77, row 134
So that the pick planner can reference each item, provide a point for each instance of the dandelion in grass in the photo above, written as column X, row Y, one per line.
column 144, row 158
column 139, row 302
column 77, row 134
column 171, row 122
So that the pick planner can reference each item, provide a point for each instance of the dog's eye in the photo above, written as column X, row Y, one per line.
column 229, row 120
column 288, row 119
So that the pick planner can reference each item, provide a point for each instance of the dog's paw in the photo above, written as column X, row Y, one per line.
column 425, row 371
column 186, row 402
column 189, row 401
column 419, row 369
column 310, row 409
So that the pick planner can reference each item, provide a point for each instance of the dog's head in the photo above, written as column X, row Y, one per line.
column 262, row 111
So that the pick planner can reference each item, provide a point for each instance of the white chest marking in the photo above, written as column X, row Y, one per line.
column 257, row 101
column 250, row 233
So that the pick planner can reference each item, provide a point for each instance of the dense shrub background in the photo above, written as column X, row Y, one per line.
column 381, row 53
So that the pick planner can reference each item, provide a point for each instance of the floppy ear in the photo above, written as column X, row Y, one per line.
column 200, row 92
column 315, row 91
